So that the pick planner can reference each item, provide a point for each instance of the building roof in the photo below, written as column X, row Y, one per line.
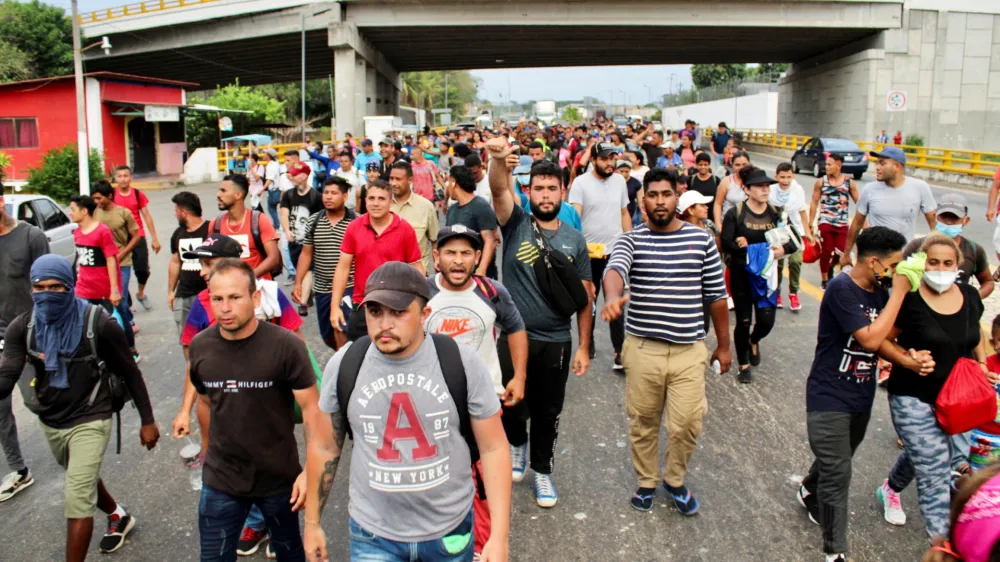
column 108, row 76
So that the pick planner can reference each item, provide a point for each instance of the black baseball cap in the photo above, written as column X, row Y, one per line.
column 458, row 231
column 603, row 150
column 215, row 246
column 395, row 284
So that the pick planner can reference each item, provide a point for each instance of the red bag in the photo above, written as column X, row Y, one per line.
column 811, row 252
column 967, row 400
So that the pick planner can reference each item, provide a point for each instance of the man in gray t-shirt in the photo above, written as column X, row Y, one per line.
column 411, row 469
column 894, row 201
column 20, row 245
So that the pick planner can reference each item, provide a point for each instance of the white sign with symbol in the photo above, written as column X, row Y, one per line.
column 162, row 113
column 895, row 100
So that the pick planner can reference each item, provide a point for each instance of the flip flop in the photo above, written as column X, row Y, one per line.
column 144, row 301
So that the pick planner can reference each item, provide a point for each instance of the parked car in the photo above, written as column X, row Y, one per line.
column 46, row 214
column 812, row 156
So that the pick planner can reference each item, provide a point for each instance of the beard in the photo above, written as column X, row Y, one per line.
column 661, row 221
column 545, row 215
column 604, row 174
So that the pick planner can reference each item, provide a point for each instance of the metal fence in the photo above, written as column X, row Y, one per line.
column 767, row 82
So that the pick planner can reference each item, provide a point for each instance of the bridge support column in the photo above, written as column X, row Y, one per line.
column 362, row 78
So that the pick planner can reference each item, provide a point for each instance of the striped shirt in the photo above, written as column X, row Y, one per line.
column 325, row 240
column 671, row 275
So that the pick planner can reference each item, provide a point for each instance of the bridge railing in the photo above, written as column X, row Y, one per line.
column 966, row 162
column 136, row 8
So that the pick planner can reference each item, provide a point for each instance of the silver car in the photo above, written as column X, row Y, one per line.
column 46, row 214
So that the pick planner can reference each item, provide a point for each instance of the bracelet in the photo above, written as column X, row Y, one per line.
column 312, row 522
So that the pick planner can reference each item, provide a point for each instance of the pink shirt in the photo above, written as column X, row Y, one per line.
column 423, row 180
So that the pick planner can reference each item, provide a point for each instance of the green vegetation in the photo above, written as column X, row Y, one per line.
column 572, row 115
column 913, row 140
column 59, row 174
column 203, row 127
column 426, row 90
column 36, row 41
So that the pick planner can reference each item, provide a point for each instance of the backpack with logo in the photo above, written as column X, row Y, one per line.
column 116, row 384
column 557, row 277
column 258, row 242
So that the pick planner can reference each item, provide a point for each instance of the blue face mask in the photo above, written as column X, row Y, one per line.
column 949, row 230
column 52, row 306
column 524, row 179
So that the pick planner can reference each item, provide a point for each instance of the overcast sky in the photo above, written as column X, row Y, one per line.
column 629, row 82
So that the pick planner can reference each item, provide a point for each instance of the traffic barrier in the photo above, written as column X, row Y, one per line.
column 137, row 8
column 963, row 162
column 224, row 156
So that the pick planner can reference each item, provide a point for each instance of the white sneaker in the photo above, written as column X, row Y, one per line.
column 545, row 491
column 518, row 461
column 892, row 509
column 12, row 484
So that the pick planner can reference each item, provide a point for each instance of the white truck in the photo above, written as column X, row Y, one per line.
column 377, row 125
column 545, row 111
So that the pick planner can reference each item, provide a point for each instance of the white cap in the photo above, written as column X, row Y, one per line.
column 691, row 197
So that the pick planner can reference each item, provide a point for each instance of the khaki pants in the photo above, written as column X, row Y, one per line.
column 80, row 450
column 660, row 375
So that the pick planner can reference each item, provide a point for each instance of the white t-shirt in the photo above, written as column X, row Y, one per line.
column 483, row 189
column 356, row 179
column 793, row 200
column 271, row 172
column 284, row 183
column 602, row 201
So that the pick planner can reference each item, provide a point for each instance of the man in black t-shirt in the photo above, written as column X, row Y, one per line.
column 704, row 181
column 474, row 213
column 855, row 319
column 184, row 281
column 297, row 205
column 251, row 374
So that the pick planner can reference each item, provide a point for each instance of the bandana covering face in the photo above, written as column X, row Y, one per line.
column 978, row 527
column 58, row 317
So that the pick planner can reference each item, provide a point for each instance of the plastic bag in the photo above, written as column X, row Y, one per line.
column 967, row 399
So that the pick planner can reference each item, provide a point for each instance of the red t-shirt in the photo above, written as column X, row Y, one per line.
column 423, row 180
column 250, row 254
column 993, row 426
column 134, row 201
column 93, row 250
column 398, row 242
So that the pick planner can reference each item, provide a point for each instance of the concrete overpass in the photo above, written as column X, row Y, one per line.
column 847, row 53
column 367, row 43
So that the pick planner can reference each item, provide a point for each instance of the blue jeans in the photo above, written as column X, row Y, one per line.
column 220, row 522
column 456, row 546
column 323, row 312
column 126, row 297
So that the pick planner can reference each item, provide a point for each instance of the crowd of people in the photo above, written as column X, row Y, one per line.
column 446, row 271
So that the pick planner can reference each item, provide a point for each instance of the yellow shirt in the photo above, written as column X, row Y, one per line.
column 423, row 217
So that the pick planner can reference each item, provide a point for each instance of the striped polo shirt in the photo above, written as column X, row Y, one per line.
column 670, row 276
column 326, row 238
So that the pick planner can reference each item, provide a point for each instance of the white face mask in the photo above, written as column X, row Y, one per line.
column 940, row 281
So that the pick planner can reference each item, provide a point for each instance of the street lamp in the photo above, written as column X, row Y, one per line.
column 82, row 144
column 303, row 15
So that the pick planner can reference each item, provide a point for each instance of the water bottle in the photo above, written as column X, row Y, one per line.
column 716, row 367
column 195, row 479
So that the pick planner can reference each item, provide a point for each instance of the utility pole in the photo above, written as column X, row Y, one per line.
column 446, row 89
column 82, row 146
column 303, row 16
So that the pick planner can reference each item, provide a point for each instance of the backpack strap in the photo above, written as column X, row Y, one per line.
column 92, row 312
column 347, row 376
column 255, row 233
column 453, row 370
column 487, row 288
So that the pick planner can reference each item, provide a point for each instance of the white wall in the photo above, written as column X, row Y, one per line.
column 202, row 166
column 758, row 112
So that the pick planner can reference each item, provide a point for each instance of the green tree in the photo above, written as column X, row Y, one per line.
column 707, row 75
column 426, row 90
column 203, row 127
column 572, row 115
column 773, row 68
column 59, row 174
column 43, row 33
column 14, row 63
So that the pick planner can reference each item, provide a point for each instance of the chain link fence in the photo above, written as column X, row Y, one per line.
column 767, row 82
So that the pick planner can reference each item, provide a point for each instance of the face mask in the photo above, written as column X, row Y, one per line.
column 51, row 306
column 949, row 230
column 524, row 179
column 940, row 281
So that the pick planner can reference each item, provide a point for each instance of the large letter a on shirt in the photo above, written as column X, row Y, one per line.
column 402, row 404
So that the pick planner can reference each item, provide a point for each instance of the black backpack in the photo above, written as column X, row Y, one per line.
column 255, row 234
column 451, row 367
column 116, row 384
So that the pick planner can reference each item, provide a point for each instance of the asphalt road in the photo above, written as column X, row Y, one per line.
column 745, row 472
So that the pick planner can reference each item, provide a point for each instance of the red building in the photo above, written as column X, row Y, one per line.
column 39, row 115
